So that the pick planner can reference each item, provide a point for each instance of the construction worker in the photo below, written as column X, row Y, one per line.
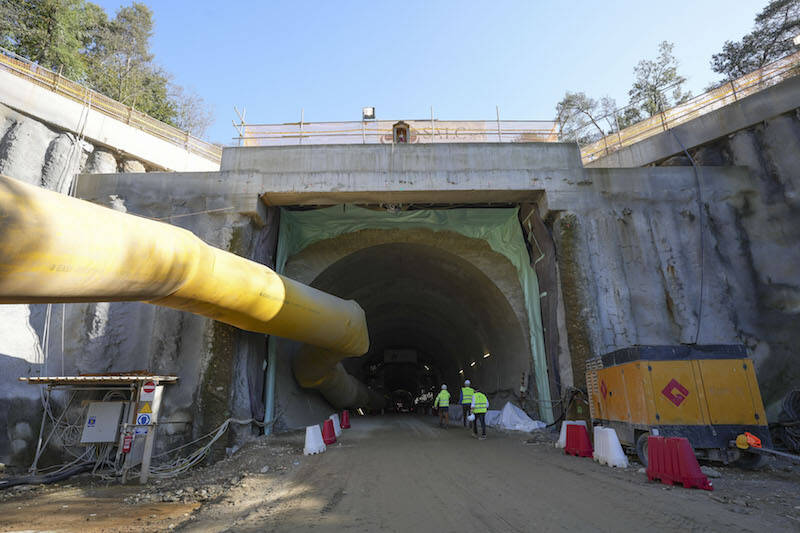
column 466, row 400
column 480, row 404
column 442, row 403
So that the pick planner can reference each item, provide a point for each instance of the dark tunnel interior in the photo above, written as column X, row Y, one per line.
column 433, row 318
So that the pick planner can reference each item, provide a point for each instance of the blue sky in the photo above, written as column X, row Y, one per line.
column 332, row 58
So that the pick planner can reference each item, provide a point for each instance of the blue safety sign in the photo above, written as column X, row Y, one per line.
column 143, row 419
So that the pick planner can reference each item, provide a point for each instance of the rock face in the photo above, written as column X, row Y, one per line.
column 35, row 153
column 633, row 263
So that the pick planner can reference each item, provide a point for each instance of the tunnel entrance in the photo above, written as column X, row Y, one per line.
column 448, row 295
column 433, row 318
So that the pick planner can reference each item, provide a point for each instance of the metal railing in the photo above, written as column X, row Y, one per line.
column 728, row 93
column 55, row 82
column 382, row 132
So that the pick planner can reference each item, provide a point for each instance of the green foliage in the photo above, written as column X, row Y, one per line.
column 54, row 33
column 583, row 119
column 657, row 85
column 775, row 27
column 121, row 64
column 112, row 56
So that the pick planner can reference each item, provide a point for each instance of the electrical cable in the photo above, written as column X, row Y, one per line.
column 788, row 429
column 702, row 235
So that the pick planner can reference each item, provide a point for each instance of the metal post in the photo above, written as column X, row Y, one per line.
column 499, row 134
column 128, row 425
column 733, row 88
column 302, row 113
column 35, row 464
column 432, row 126
column 363, row 131
column 269, row 400
column 151, row 435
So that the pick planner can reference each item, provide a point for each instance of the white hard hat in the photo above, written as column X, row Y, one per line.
column 466, row 382
column 444, row 387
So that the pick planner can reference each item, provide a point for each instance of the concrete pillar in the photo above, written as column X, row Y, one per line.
column 23, row 149
column 101, row 162
column 61, row 163
column 132, row 166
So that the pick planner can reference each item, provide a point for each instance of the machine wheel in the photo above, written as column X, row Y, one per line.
column 751, row 461
column 641, row 447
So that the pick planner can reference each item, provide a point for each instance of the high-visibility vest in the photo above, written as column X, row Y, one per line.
column 481, row 403
column 466, row 394
column 442, row 400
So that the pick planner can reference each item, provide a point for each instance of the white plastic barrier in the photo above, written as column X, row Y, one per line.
column 607, row 449
column 337, row 427
column 562, row 438
column 314, row 442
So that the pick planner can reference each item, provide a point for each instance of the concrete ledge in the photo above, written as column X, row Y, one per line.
column 187, row 192
column 770, row 102
column 69, row 115
column 402, row 157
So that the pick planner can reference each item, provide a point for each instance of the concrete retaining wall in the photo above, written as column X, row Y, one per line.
column 70, row 116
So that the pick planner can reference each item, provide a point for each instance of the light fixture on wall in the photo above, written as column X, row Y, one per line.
column 487, row 354
column 472, row 363
column 460, row 371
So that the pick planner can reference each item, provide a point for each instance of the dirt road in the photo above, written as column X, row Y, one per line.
column 404, row 474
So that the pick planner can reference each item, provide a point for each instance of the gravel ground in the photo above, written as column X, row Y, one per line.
column 402, row 473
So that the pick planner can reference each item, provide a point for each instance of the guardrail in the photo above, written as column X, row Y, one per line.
column 19, row 66
column 381, row 132
column 728, row 93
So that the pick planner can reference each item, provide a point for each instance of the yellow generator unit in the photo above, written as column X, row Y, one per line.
column 708, row 394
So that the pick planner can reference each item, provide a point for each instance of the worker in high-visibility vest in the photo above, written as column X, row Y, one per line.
column 480, row 404
column 442, row 403
column 466, row 400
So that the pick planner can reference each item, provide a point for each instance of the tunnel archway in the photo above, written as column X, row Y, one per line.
column 439, row 299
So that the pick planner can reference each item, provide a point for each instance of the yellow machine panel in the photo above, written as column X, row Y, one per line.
column 731, row 391
column 707, row 393
column 674, row 391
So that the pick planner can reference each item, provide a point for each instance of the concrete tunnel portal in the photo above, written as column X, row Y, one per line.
column 436, row 304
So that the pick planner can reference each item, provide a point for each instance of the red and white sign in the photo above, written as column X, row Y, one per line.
column 148, row 392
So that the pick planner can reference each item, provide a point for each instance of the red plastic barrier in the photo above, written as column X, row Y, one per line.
column 689, row 469
column 345, row 419
column 328, row 434
column 672, row 460
column 578, row 443
column 656, row 458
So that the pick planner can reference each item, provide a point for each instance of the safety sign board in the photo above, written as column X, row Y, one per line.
column 148, row 392
column 144, row 419
column 145, row 408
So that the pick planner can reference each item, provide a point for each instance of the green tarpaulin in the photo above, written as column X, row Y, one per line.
column 498, row 227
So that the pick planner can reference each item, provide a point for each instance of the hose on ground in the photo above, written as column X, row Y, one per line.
column 47, row 478
column 788, row 429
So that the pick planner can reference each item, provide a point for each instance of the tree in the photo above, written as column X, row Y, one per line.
column 775, row 27
column 122, row 64
column 191, row 112
column 112, row 57
column 583, row 119
column 657, row 85
column 53, row 33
